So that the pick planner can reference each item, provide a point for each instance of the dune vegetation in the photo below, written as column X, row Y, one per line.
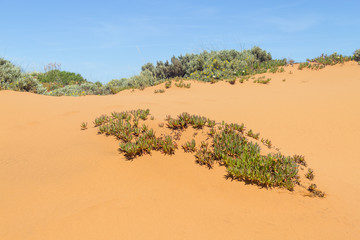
column 229, row 145
column 213, row 66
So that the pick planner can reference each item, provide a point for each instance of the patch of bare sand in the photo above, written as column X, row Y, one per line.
column 57, row 182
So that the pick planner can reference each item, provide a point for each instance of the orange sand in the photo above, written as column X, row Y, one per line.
column 57, row 182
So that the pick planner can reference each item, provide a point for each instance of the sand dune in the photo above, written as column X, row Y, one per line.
column 58, row 182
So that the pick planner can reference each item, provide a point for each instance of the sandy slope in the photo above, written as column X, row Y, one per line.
column 57, row 182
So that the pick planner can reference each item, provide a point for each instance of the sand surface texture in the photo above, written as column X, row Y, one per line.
column 58, row 182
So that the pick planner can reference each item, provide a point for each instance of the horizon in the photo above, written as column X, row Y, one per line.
column 112, row 40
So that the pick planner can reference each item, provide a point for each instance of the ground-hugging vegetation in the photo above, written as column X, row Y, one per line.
column 213, row 66
column 228, row 145
column 325, row 60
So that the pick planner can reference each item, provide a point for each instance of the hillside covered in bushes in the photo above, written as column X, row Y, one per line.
column 206, row 66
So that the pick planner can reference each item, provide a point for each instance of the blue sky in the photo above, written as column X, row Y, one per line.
column 104, row 40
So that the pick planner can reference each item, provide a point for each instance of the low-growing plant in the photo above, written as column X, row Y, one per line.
column 168, row 146
column 266, row 142
column 250, row 133
column 315, row 191
column 232, row 81
column 299, row 159
column 273, row 69
column 212, row 132
column 211, row 123
column 83, row 125
column 181, row 84
column 189, row 146
column 168, row 84
column 229, row 146
column 310, row 174
column 262, row 80
column 101, row 120
column 203, row 156
column 159, row 90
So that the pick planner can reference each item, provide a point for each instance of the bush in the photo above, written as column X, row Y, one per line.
column 260, row 54
column 116, row 85
column 357, row 55
column 86, row 88
column 206, row 66
column 12, row 78
column 54, row 79
column 9, row 74
column 29, row 84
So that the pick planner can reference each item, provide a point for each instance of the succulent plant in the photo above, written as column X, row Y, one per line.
column 83, row 125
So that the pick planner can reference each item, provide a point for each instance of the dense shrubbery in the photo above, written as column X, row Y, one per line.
column 214, row 65
column 87, row 88
column 12, row 78
column 206, row 66
column 55, row 79
column 9, row 74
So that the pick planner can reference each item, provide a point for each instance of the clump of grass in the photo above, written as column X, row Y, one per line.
column 310, row 174
column 159, row 90
column 189, row 146
column 83, row 125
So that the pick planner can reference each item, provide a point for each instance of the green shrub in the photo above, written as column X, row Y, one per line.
column 206, row 66
column 260, row 54
column 9, row 74
column 357, row 55
column 29, row 84
column 86, row 88
column 54, row 79
column 189, row 146
column 12, row 78
column 159, row 90
column 116, row 85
